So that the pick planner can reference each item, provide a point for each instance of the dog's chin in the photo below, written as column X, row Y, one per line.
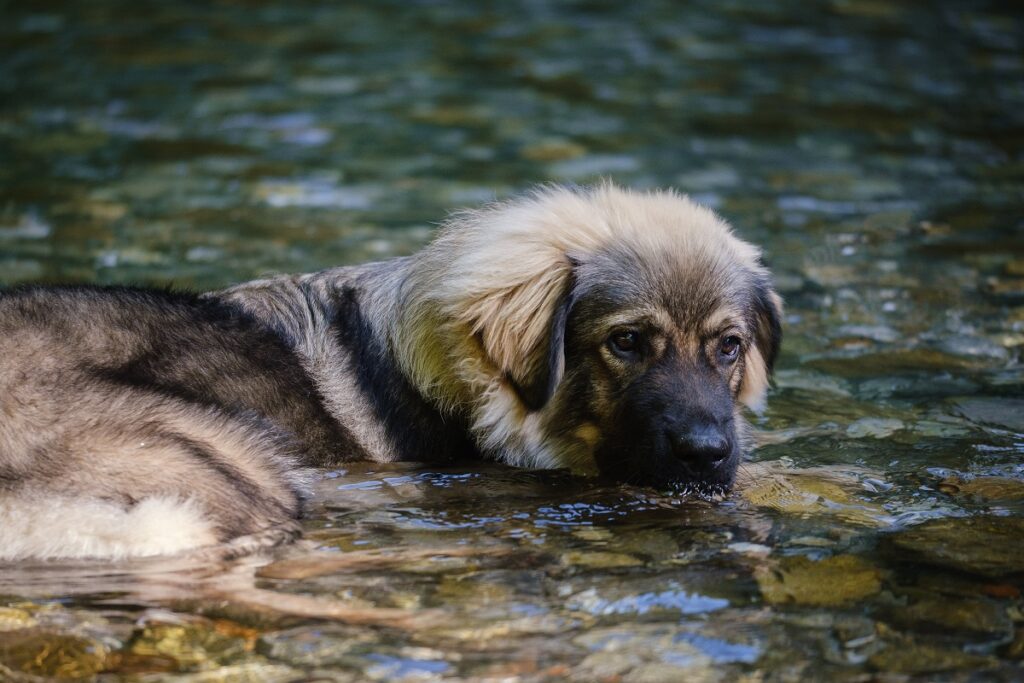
column 710, row 489
column 714, row 484
column 677, row 479
column 704, row 490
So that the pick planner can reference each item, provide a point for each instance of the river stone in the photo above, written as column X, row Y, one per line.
column 817, row 492
column 892, row 362
column 1005, row 287
column 834, row 581
column 257, row 672
column 907, row 658
column 481, row 628
column 874, row 428
column 598, row 559
column 15, row 619
column 305, row 646
column 1002, row 412
column 988, row 489
column 987, row 546
column 978, row 347
column 967, row 618
column 641, row 652
column 52, row 655
column 1015, row 650
column 192, row 646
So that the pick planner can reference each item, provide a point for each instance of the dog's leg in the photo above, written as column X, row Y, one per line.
column 120, row 472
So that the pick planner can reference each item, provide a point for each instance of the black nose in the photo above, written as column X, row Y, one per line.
column 702, row 444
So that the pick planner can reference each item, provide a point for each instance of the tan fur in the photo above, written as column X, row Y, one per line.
column 477, row 302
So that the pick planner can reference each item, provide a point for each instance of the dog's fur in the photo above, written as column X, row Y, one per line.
column 137, row 422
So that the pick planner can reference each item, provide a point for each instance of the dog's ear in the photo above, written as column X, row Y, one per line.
column 759, row 361
column 521, row 329
column 536, row 385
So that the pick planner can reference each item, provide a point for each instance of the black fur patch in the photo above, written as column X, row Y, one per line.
column 420, row 433
column 767, row 326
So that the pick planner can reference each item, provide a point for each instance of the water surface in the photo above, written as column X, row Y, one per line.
column 875, row 150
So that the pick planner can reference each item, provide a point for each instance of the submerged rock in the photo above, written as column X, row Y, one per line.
column 642, row 652
column 1015, row 650
column 818, row 491
column 874, row 428
column 985, row 489
column 307, row 646
column 892, row 362
column 598, row 559
column 1002, row 412
column 922, row 659
column 975, row 619
column 987, row 546
column 1004, row 287
column 199, row 645
column 257, row 672
column 14, row 619
column 351, row 654
column 834, row 581
column 978, row 347
column 51, row 655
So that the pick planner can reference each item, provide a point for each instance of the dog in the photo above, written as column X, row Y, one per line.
column 609, row 331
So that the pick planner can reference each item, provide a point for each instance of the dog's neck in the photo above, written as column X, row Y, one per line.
column 340, row 323
column 408, row 382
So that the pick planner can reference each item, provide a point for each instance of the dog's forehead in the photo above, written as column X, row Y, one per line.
column 691, row 287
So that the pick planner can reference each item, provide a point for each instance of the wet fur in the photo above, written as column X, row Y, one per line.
column 120, row 407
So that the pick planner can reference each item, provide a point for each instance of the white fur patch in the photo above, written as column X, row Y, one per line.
column 47, row 527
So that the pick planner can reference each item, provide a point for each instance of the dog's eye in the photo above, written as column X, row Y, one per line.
column 730, row 347
column 625, row 342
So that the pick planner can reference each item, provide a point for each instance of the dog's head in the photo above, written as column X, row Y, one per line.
column 611, row 331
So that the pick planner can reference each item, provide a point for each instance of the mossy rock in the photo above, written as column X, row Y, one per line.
column 832, row 582
column 987, row 546
column 52, row 655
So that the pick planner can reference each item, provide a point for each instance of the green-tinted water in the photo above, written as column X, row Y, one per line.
column 875, row 149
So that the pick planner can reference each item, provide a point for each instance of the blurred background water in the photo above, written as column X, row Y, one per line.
column 875, row 150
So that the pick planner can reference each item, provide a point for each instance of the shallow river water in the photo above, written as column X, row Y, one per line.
column 876, row 151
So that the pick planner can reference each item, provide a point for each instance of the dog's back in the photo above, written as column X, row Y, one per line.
column 138, row 422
